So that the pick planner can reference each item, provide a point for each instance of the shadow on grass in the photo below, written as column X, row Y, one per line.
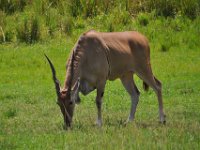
column 151, row 125
column 86, row 124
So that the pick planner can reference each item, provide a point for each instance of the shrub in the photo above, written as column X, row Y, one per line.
column 9, row 35
column 110, row 27
column 67, row 25
column 166, row 8
column 89, row 8
column 2, row 24
column 2, row 35
column 137, row 6
column 10, row 6
column 23, row 32
column 79, row 24
column 125, row 17
column 143, row 19
column 51, row 19
column 29, row 31
column 75, row 7
column 190, row 8
column 63, row 16
column 35, row 31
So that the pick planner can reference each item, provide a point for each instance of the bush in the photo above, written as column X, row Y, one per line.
column 143, row 19
column 138, row 6
column 53, row 20
column 2, row 24
column 75, row 7
column 190, row 8
column 7, row 28
column 125, row 17
column 2, row 35
column 29, row 31
column 9, row 35
column 35, row 31
column 67, row 24
column 89, row 8
column 166, row 8
column 74, row 16
column 10, row 6
column 111, row 27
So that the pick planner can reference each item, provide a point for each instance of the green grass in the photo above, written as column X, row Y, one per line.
column 30, row 118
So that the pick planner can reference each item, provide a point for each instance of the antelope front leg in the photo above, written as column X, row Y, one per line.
column 99, row 99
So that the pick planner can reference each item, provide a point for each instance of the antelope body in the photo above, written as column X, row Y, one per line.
column 98, row 57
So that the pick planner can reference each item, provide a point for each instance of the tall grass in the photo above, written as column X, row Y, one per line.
column 29, row 30
column 90, row 8
column 63, row 16
column 11, row 6
column 167, row 8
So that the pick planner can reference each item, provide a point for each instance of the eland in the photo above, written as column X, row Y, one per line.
column 101, row 56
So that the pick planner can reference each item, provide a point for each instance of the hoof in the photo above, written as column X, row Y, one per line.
column 99, row 123
column 163, row 122
column 163, row 119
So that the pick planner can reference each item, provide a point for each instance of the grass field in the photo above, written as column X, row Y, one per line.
column 30, row 118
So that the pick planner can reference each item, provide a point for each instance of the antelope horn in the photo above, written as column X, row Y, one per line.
column 56, row 81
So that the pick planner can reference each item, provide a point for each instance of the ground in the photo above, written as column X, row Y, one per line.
column 31, row 119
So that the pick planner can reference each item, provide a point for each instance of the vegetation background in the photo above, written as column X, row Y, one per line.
column 29, row 118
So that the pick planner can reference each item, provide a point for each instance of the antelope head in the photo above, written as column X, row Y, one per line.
column 65, row 97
